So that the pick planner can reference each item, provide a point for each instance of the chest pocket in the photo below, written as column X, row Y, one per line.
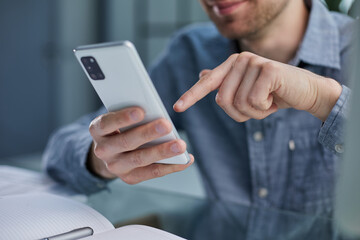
column 311, row 169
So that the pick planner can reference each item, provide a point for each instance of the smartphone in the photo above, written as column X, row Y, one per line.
column 120, row 79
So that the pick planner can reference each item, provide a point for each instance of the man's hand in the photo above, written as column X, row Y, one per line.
column 115, row 154
column 250, row 86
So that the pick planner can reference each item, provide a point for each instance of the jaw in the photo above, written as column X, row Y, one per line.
column 247, row 20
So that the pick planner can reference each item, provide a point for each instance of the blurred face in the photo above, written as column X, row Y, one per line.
column 237, row 19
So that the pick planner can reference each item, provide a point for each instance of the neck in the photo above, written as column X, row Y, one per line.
column 280, row 39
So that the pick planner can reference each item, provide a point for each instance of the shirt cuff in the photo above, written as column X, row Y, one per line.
column 332, row 132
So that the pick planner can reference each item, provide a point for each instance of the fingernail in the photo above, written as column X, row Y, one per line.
column 160, row 129
column 175, row 148
column 179, row 103
column 135, row 115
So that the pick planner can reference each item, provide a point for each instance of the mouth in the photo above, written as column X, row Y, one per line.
column 226, row 8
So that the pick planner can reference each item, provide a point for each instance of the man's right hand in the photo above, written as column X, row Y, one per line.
column 115, row 154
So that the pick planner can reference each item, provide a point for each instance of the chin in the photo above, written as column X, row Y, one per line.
column 233, row 32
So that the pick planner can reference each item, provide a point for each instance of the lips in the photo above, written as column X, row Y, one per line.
column 226, row 8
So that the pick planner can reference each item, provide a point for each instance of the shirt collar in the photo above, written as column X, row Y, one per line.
column 320, row 45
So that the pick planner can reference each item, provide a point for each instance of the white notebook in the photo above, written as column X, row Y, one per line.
column 14, row 180
column 40, row 215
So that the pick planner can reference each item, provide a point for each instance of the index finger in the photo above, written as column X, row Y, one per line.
column 205, row 85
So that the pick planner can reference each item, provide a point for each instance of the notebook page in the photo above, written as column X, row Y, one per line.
column 135, row 232
column 40, row 215
column 14, row 180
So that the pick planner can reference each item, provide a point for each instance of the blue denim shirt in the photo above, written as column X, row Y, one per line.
column 286, row 161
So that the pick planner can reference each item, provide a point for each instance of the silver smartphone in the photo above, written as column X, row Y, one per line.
column 120, row 79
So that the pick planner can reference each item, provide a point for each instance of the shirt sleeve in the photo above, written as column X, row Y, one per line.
column 66, row 154
column 332, row 131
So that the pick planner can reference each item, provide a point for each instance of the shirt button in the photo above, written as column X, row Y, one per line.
column 339, row 148
column 292, row 145
column 258, row 136
column 263, row 192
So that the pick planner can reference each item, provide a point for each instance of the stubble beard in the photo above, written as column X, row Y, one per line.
column 234, row 27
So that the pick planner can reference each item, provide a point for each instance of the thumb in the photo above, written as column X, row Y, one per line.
column 204, row 72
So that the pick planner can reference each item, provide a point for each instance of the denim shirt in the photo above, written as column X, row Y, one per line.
column 286, row 161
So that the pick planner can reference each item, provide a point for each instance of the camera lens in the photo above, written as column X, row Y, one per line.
column 92, row 68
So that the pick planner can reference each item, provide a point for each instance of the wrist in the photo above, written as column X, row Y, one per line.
column 328, row 92
column 96, row 166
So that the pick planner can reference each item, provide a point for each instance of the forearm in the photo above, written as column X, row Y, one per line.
column 66, row 155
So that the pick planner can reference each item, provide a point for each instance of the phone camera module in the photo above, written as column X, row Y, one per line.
column 92, row 68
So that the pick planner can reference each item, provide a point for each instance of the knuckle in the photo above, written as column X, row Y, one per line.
column 252, row 99
column 111, row 166
column 219, row 99
column 262, row 105
column 269, row 67
column 253, row 62
column 240, row 104
column 162, row 151
column 243, row 59
column 222, row 100
column 92, row 128
column 256, row 102
column 234, row 56
column 157, row 171
column 123, row 141
column 147, row 133
column 99, row 150
column 137, row 159
column 101, row 122
column 240, row 59
column 258, row 61
column 244, row 56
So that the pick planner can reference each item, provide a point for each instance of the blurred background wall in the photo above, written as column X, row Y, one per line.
column 42, row 87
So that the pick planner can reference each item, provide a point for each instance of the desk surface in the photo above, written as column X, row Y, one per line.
column 198, row 218
column 192, row 216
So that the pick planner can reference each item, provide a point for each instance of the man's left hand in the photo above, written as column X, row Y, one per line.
column 250, row 86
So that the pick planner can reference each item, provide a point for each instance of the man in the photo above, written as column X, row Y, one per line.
column 270, row 136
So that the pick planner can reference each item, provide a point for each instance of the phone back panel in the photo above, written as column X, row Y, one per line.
column 127, row 84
